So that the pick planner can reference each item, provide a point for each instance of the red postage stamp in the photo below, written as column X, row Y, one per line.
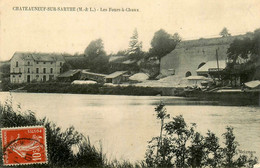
column 24, row 145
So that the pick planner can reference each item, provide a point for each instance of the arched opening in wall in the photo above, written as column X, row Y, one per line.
column 188, row 74
column 201, row 64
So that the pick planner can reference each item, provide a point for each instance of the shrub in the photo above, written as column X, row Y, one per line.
column 59, row 143
column 179, row 145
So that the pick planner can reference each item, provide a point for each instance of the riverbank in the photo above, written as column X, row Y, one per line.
column 222, row 98
column 58, row 87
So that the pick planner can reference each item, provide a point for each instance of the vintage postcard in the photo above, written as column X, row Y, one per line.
column 152, row 83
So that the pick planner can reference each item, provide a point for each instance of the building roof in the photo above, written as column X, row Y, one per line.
column 129, row 61
column 253, row 84
column 92, row 73
column 40, row 56
column 116, row 74
column 196, row 78
column 212, row 65
column 69, row 73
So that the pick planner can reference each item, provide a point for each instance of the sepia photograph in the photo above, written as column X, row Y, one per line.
column 130, row 84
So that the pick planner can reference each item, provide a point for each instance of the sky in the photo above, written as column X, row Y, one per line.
column 72, row 31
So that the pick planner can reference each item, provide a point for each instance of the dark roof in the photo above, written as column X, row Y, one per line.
column 69, row 73
column 40, row 56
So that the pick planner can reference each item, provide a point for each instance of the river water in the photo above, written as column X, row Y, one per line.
column 124, row 124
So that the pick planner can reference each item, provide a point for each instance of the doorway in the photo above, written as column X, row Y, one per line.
column 28, row 79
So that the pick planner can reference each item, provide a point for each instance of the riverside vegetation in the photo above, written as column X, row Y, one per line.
column 178, row 145
column 58, row 87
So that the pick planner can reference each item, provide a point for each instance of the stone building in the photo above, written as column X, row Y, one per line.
column 38, row 67
column 191, row 55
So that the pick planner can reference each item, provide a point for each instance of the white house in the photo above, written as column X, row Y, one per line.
column 39, row 67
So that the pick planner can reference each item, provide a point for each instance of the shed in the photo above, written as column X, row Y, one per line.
column 117, row 77
column 70, row 75
column 85, row 75
column 211, row 66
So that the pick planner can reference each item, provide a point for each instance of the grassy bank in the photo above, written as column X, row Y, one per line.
column 58, row 87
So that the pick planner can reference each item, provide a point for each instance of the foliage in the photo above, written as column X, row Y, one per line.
column 243, row 57
column 96, row 59
column 122, row 53
column 5, row 70
column 5, row 85
column 58, row 87
column 182, row 146
column 224, row 32
column 59, row 142
column 95, row 49
column 135, row 47
column 163, row 43
column 246, row 48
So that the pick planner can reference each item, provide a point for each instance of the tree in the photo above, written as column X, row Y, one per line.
column 224, row 32
column 5, row 70
column 243, row 54
column 96, row 58
column 163, row 43
column 161, row 114
column 135, row 47
column 95, row 49
column 181, row 145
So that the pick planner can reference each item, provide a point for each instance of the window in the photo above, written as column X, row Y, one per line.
column 51, row 70
column 19, row 76
column 37, row 62
column 37, row 70
column 44, row 70
column 16, row 63
column 60, row 63
column 60, row 70
column 37, row 76
column 44, row 62
column 28, row 70
column 28, row 63
column 19, row 70
column 51, row 62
